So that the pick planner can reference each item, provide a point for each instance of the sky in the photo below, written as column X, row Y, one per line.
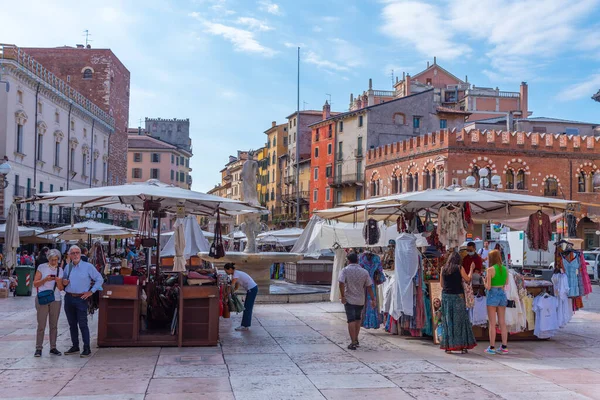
column 230, row 65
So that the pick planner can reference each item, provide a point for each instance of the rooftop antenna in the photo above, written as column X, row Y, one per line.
column 327, row 94
column 304, row 103
column 87, row 35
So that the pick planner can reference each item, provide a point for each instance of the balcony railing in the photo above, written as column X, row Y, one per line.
column 491, row 93
column 19, row 191
column 347, row 179
column 384, row 93
column 289, row 180
column 293, row 197
column 358, row 153
column 340, row 156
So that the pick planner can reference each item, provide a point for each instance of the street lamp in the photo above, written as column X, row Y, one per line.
column 5, row 169
column 485, row 182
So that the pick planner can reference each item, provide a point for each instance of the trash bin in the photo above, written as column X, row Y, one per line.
column 25, row 275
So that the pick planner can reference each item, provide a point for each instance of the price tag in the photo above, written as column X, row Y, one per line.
column 180, row 212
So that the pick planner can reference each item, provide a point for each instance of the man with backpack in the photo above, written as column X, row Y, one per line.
column 26, row 259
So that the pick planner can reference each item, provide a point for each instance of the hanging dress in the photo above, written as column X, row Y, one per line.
column 371, row 316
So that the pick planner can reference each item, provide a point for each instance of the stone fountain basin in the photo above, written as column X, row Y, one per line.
column 257, row 265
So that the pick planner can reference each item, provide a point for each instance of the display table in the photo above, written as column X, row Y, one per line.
column 119, row 318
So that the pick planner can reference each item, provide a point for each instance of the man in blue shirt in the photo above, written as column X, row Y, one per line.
column 81, row 280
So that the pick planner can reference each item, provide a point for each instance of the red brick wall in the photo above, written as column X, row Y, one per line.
column 540, row 155
column 108, row 89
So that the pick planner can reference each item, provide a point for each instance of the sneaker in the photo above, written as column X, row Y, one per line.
column 55, row 352
column 72, row 350
column 502, row 350
column 242, row 329
column 352, row 346
column 489, row 350
column 85, row 353
column 38, row 353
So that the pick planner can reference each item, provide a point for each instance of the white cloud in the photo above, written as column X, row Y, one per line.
column 254, row 24
column 242, row 40
column 422, row 25
column 312, row 58
column 270, row 7
column 317, row 29
column 347, row 53
column 330, row 19
column 580, row 90
column 290, row 45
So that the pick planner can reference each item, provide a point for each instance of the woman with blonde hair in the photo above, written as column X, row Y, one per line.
column 495, row 280
column 48, row 278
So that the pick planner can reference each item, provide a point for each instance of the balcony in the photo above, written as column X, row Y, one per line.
column 19, row 192
column 293, row 197
column 489, row 92
column 358, row 153
column 289, row 180
column 346, row 180
column 384, row 93
column 340, row 156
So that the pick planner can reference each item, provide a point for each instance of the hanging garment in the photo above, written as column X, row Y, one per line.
column 515, row 317
column 572, row 271
column 587, row 283
column 371, row 317
column 561, row 292
column 572, row 224
column 479, row 312
column 539, row 231
column 529, row 314
column 546, row 318
column 371, row 232
column 450, row 227
column 407, row 265
column 428, row 328
column 338, row 264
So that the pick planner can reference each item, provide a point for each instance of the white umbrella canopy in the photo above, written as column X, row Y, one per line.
column 195, row 241
column 282, row 237
column 136, row 195
column 179, row 239
column 12, row 237
column 481, row 201
column 90, row 227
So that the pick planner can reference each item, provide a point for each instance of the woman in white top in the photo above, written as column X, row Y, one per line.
column 48, row 277
column 245, row 281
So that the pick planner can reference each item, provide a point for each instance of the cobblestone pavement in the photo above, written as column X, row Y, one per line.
column 298, row 351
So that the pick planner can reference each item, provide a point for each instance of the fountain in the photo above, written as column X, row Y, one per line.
column 257, row 265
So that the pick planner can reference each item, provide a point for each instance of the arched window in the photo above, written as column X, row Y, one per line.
column 416, row 182
column 373, row 189
column 426, row 180
column 551, row 187
column 273, row 159
column 581, row 182
column 399, row 184
column 475, row 175
column 409, row 183
column 510, row 179
column 434, row 179
column 272, row 195
column 274, row 141
column 88, row 73
column 394, row 184
column 521, row 184
column 596, row 182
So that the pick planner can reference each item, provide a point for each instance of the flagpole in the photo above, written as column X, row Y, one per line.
column 298, row 145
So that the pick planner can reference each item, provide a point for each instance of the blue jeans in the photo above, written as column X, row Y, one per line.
column 76, row 310
column 248, row 306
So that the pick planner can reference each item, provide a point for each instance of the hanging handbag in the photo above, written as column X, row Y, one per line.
column 429, row 225
column 46, row 296
column 469, row 296
column 371, row 232
column 217, row 250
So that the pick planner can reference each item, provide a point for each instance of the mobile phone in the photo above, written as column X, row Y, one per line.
column 52, row 276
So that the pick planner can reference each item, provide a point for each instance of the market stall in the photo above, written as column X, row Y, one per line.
column 194, row 243
column 412, row 292
column 153, row 307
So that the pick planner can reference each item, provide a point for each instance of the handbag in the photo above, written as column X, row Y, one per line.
column 46, row 296
column 217, row 250
column 469, row 296
column 429, row 225
column 511, row 304
column 238, row 305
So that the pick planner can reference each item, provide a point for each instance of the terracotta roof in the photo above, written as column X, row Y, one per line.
column 147, row 142
column 449, row 110
column 438, row 67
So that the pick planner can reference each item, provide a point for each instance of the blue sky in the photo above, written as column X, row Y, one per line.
column 230, row 65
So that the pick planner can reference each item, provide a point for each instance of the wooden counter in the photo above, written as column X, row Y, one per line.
column 199, row 316
column 119, row 315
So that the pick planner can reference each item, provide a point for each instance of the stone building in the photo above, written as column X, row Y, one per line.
column 174, row 131
column 151, row 158
column 277, row 146
column 541, row 164
column 100, row 77
column 54, row 137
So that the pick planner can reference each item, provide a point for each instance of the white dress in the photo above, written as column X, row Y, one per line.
column 407, row 266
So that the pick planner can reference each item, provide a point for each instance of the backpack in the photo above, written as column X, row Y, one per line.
column 26, row 260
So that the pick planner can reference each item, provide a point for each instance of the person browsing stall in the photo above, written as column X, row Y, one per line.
column 245, row 281
column 354, row 280
column 48, row 277
column 496, row 300
column 473, row 261
column 484, row 253
column 81, row 280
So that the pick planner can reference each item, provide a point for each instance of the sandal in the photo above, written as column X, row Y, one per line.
column 464, row 351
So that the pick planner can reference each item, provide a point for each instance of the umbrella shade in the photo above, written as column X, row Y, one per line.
column 195, row 241
column 179, row 238
column 282, row 237
column 136, row 195
column 12, row 237
column 90, row 227
column 481, row 201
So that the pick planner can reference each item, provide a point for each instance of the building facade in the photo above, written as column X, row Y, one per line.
column 277, row 145
column 151, row 158
column 52, row 135
column 321, row 192
column 174, row 131
column 546, row 164
column 261, row 157
column 537, row 125
column 100, row 77
column 354, row 132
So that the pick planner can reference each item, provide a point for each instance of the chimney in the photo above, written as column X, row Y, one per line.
column 79, row 46
column 358, row 103
column 273, row 124
column 365, row 100
column 509, row 121
column 403, row 75
column 326, row 110
column 351, row 102
column 371, row 94
column 466, row 79
column 427, row 64
column 434, row 60
column 407, row 85
column 523, row 99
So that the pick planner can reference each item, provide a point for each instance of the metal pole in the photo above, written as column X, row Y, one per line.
column 298, row 146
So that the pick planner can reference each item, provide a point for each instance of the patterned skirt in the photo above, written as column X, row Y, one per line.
column 457, row 330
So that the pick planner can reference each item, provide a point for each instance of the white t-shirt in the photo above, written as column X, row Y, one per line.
column 246, row 282
column 484, row 254
column 45, row 270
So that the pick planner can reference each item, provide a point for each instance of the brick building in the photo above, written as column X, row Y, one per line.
column 102, row 78
column 553, row 165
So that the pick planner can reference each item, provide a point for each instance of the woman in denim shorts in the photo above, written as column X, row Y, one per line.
column 495, row 280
